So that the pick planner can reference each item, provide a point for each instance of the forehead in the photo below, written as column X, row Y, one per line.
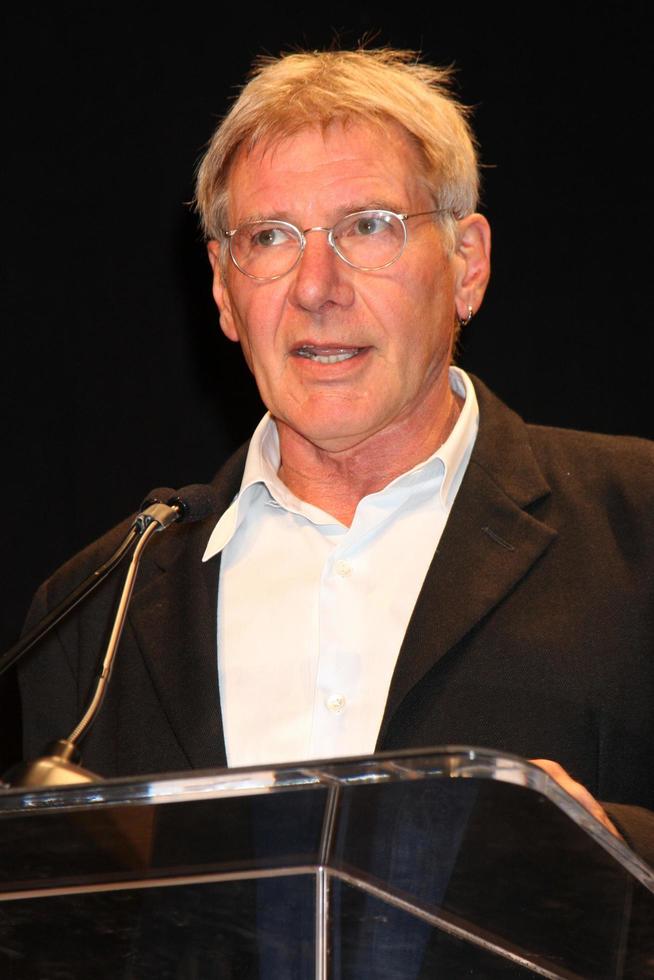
column 324, row 170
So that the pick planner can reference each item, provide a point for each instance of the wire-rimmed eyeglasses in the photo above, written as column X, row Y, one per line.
column 268, row 249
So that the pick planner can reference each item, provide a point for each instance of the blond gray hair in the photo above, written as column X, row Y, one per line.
column 287, row 94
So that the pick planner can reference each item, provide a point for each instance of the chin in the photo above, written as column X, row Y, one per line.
column 334, row 424
column 335, row 438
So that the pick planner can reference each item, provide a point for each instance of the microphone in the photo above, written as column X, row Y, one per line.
column 195, row 502
column 161, row 508
column 164, row 506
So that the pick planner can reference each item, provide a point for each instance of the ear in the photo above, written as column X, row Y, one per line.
column 220, row 292
column 472, row 259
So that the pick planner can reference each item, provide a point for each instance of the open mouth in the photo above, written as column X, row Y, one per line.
column 328, row 355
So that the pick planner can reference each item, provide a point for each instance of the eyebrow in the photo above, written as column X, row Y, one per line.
column 349, row 208
column 374, row 205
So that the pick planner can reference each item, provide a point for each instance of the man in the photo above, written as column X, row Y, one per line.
column 400, row 560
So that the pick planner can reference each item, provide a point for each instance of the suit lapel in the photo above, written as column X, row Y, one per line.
column 489, row 544
column 173, row 617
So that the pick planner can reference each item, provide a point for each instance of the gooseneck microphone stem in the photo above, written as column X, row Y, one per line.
column 116, row 632
column 60, row 763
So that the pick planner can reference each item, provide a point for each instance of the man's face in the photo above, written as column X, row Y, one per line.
column 396, row 323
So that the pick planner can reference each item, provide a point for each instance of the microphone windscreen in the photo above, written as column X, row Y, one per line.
column 159, row 496
column 195, row 502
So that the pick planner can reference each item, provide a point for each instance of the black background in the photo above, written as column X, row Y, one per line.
column 115, row 375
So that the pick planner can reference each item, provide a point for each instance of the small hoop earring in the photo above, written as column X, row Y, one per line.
column 464, row 321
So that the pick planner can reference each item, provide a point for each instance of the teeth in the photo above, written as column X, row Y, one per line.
column 320, row 355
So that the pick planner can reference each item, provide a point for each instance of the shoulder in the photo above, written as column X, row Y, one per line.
column 620, row 468
column 565, row 459
column 162, row 550
column 595, row 450
column 594, row 490
column 76, row 569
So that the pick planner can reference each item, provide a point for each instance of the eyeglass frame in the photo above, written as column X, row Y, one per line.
column 403, row 218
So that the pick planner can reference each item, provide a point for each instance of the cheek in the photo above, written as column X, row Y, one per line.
column 247, row 353
column 260, row 318
column 259, row 336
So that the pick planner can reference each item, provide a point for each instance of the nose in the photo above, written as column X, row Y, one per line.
column 321, row 279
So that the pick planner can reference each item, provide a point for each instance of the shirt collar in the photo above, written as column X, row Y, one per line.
column 455, row 451
column 260, row 477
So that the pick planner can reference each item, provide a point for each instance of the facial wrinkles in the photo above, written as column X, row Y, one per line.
column 298, row 193
column 388, row 314
column 336, row 326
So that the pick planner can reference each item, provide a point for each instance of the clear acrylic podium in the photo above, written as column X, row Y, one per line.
column 449, row 863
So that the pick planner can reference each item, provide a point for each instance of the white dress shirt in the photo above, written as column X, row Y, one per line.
column 312, row 614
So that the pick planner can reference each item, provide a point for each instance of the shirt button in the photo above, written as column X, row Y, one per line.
column 343, row 568
column 336, row 703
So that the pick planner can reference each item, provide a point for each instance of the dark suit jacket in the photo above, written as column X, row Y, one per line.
column 532, row 633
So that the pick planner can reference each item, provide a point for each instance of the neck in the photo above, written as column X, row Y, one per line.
column 337, row 481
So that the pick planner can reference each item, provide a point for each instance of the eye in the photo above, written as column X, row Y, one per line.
column 370, row 225
column 269, row 236
column 364, row 224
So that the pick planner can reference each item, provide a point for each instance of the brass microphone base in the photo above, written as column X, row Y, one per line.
column 58, row 766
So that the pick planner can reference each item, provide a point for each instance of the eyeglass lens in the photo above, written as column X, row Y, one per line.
column 366, row 240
